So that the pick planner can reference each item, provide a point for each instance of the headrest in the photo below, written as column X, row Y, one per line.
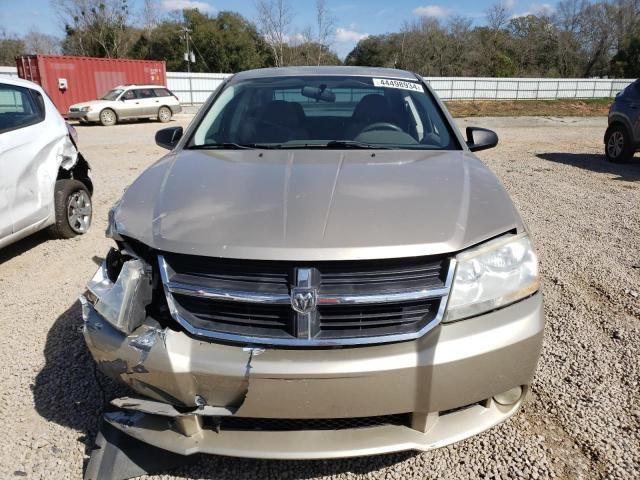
column 372, row 108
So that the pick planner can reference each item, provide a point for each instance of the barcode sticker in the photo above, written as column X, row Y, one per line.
column 403, row 84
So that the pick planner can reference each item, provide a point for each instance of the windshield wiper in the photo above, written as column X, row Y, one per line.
column 229, row 146
column 275, row 146
column 354, row 144
column 334, row 144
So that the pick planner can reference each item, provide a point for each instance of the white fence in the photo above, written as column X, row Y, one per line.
column 469, row 88
column 194, row 88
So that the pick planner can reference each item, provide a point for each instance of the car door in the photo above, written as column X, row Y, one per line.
column 149, row 103
column 129, row 104
column 25, row 147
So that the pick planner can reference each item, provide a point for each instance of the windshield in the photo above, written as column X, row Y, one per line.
column 324, row 112
column 112, row 94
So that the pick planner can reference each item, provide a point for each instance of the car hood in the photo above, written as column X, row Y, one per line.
column 315, row 205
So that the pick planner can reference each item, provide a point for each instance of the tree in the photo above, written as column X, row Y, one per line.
column 226, row 42
column 325, row 24
column 162, row 43
column 582, row 38
column 306, row 53
column 626, row 63
column 566, row 19
column 424, row 47
column 96, row 28
column 535, row 44
column 376, row 51
column 229, row 43
column 503, row 65
column 498, row 15
column 567, row 16
column 10, row 48
column 275, row 18
column 625, row 15
column 461, row 44
column 150, row 16
column 41, row 43
column 596, row 36
column 493, row 56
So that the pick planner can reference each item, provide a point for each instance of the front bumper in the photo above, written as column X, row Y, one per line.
column 463, row 364
column 84, row 116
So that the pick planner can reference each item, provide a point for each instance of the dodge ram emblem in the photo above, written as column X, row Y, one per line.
column 303, row 300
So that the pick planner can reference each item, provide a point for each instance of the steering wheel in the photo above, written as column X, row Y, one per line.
column 387, row 126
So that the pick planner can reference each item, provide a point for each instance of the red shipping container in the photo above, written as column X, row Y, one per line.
column 70, row 80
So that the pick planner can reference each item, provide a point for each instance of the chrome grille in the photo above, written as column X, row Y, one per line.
column 306, row 304
column 237, row 317
column 383, row 276
column 370, row 320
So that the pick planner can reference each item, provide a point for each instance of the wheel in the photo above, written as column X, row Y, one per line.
column 164, row 114
column 72, row 204
column 108, row 117
column 617, row 144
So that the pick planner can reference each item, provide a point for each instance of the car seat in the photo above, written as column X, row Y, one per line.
column 279, row 121
column 373, row 108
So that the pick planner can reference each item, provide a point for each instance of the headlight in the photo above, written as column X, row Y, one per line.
column 122, row 301
column 85, row 109
column 493, row 275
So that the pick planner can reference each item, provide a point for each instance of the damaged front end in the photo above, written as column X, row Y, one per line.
column 250, row 397
column 133, row 339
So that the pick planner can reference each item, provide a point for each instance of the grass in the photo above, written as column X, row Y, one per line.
column 518, row 108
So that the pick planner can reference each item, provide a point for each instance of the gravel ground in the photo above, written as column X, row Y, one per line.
column 581, row 421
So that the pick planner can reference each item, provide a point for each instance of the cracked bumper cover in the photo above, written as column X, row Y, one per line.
column 453, row 366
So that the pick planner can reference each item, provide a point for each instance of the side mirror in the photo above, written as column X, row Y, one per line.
column 168, row 137
column 481, row 139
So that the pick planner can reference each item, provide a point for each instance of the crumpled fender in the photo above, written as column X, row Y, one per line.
column 72, row 164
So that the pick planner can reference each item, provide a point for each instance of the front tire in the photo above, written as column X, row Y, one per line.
column 164, row 114
column 618, row 146
column 73, row 209
column 108, row 117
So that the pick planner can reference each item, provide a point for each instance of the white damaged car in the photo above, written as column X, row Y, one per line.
column 44, row 180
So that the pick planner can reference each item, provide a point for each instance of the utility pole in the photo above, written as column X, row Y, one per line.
column 189, row 57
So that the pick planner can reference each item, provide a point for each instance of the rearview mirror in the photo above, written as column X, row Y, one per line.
column 481, row 139
column 168, row 137
column 318, row 94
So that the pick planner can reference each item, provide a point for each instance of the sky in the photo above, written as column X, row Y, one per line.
column 355, row 18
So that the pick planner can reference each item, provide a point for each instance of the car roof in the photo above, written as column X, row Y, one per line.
column 133, row 85
column 20, row 82
column 327, row 71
